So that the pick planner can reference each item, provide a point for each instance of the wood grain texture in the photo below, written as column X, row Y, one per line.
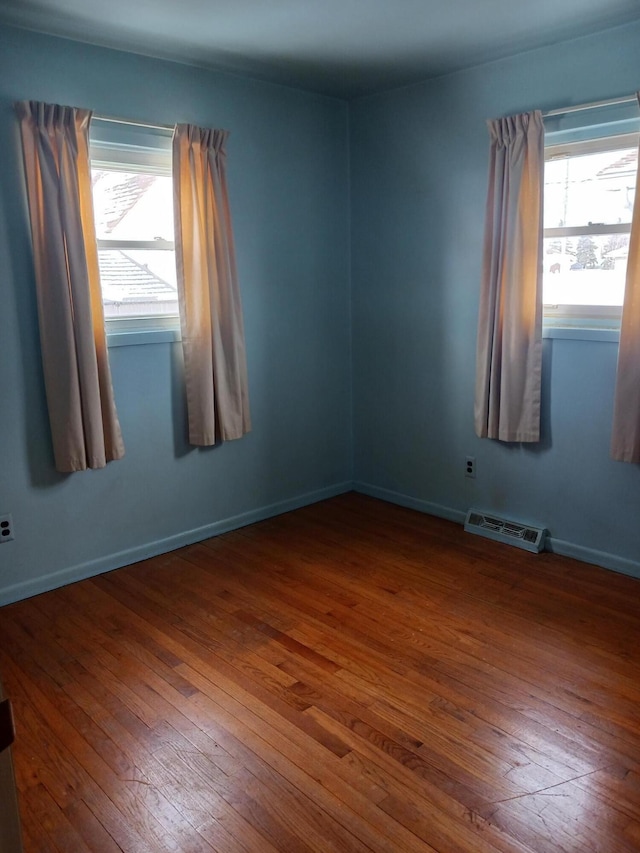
column 352, row 676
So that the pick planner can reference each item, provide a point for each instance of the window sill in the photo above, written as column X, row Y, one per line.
column 581, row 334
column 142, row 336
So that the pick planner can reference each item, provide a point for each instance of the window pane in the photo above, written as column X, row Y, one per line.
column 598, row 188
column 138, row 283
column 587, row 270
column 132, row 205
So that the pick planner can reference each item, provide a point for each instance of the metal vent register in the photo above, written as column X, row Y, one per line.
column 502, row 530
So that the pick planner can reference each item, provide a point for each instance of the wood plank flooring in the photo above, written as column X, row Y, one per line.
column 352, row 676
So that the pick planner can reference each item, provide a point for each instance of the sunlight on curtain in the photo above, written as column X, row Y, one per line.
column 84, row 423
column 625, row 444
column 209, row 294
column 509, row 352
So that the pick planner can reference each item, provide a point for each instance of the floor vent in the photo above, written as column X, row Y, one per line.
column 502, row 530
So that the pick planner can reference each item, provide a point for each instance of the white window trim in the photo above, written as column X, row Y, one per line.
column 590, row 146
column 579, row 333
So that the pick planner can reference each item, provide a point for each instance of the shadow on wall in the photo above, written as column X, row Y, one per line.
column 18, row 267
column 181, row 446
column 179, row 417
column 545, row 442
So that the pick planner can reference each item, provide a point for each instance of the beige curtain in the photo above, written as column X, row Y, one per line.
column 509, row 353
column 625, row 444
column 210, row 306
column 84, row 423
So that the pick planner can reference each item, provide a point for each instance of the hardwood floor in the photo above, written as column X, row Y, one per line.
column 352, row 676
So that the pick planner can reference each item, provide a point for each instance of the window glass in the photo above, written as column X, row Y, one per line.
column 589, row 270
column 589, row 193
column 133, row 209
column 132, row 205
column 584, row 188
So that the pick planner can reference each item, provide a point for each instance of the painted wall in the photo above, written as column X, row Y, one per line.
column 418, row 164
column 288, row 180
column 419, row 175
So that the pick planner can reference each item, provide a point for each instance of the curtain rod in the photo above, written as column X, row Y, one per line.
column 115, row 120
column 627, row 99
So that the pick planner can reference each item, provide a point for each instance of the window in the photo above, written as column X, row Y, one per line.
column 589, row 190
column 133, row 208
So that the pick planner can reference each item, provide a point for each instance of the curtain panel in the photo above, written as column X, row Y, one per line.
column 208, row 290
column 625, row 443
column 84, row 423
column 509, row 350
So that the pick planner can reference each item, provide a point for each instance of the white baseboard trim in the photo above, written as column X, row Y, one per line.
column 19, row 591
column 410, row 502
column 108, row 563
column 556, row 546
column 596, row 558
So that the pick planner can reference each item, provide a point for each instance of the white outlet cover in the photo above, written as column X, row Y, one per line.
column 6, row 528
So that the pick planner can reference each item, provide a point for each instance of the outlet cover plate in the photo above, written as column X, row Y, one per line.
column 6, row 528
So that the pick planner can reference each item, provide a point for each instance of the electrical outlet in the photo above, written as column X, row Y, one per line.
column 470, row 467
column 6, row 528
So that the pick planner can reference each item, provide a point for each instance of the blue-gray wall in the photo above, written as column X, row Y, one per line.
column 419, row 174
column 414, row 163
column 288, row 180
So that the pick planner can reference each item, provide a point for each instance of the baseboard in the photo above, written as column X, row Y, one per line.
column 161, row 546
column 556, row 546
column 45, row 583
column 596, row 558
column 410, row 502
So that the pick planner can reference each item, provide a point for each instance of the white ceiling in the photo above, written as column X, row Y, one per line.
column 344, row 48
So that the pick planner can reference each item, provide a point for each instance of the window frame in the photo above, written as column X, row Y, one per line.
column 590, row 317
